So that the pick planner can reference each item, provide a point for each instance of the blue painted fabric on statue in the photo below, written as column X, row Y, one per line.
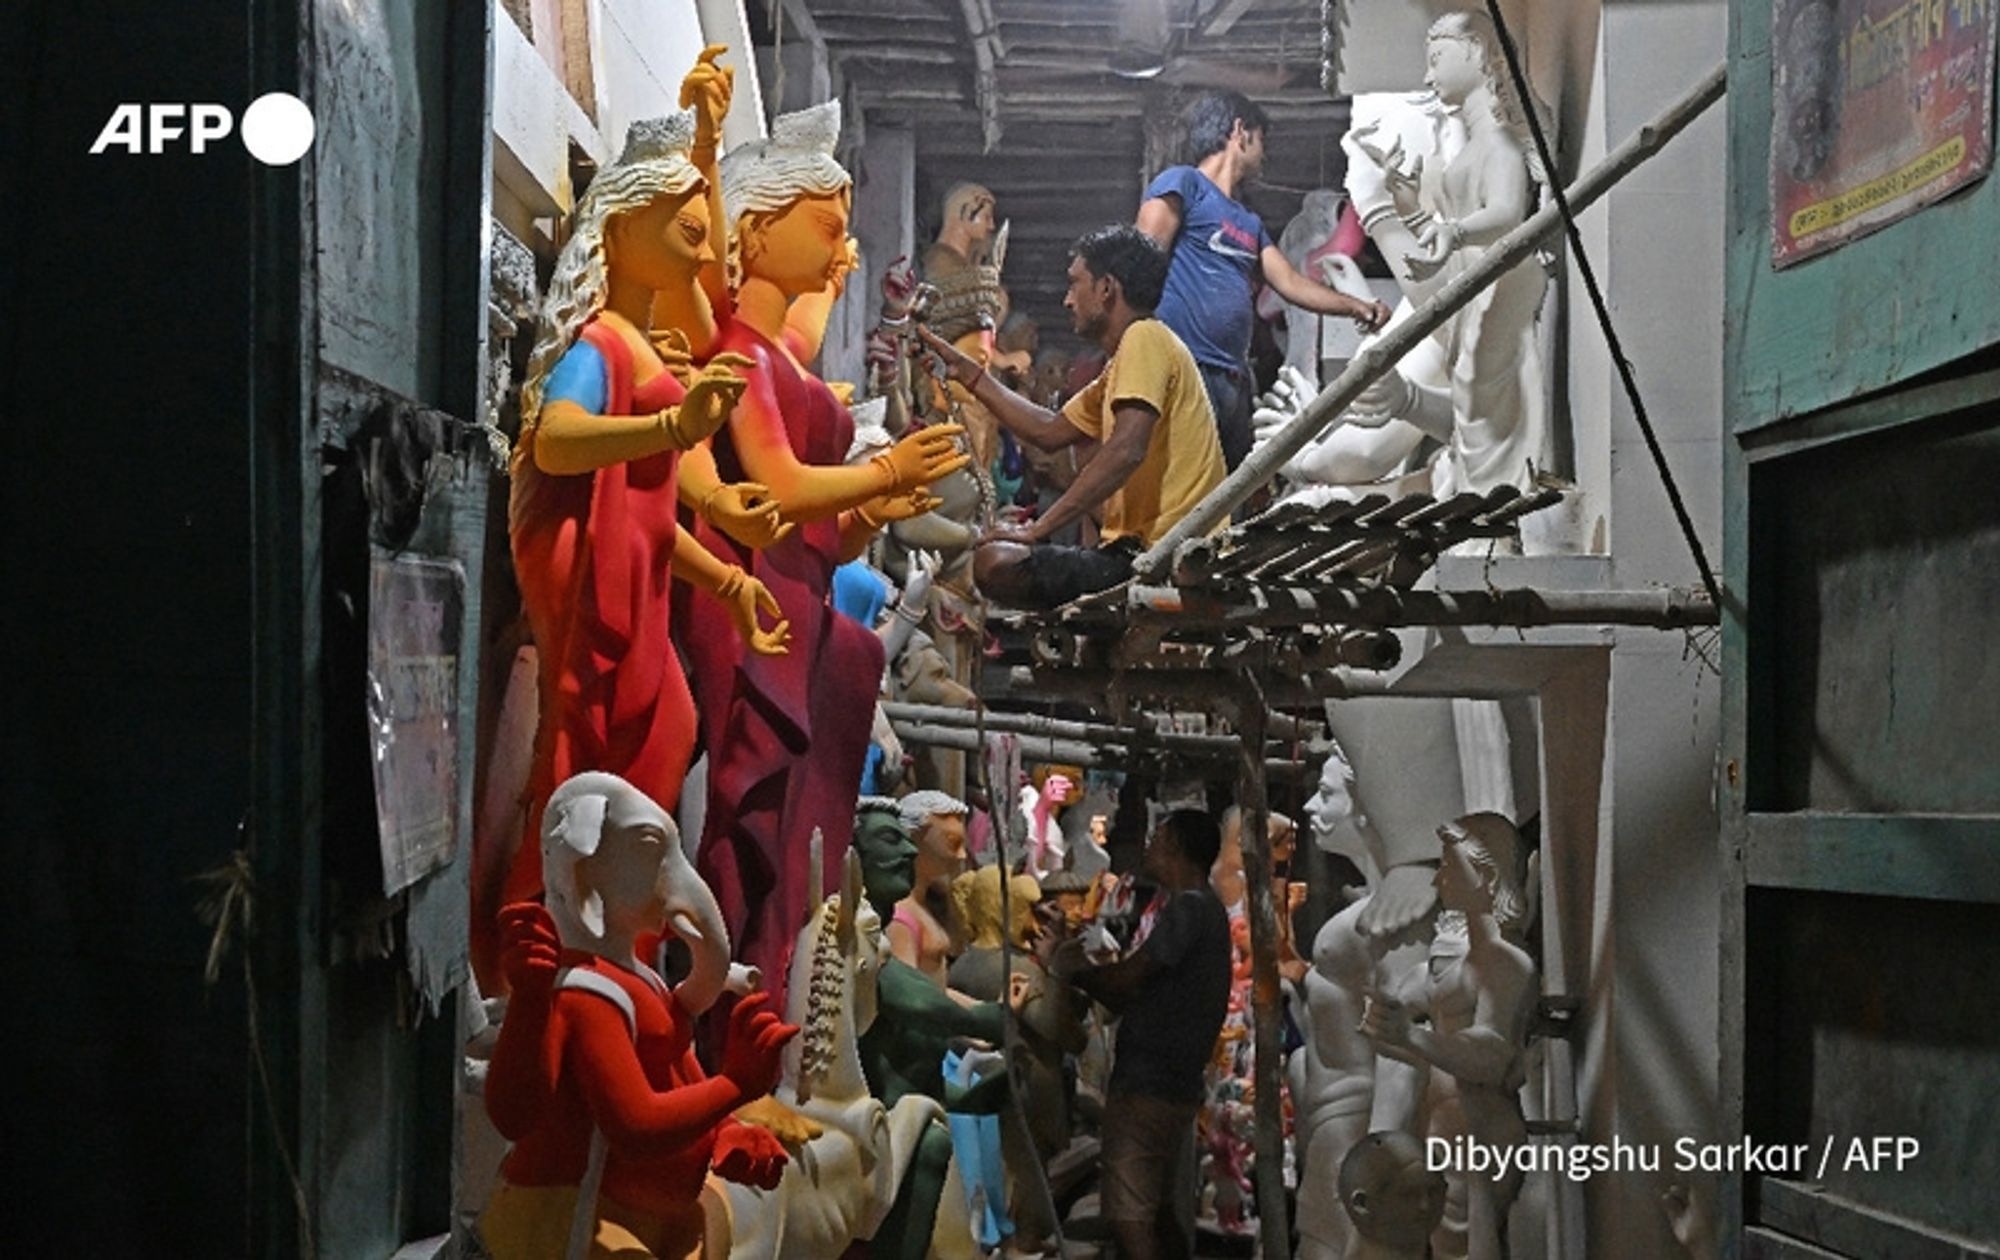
column 860, row 591
column 975, row 1143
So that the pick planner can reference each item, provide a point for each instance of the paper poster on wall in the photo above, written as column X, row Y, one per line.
column 415, row 607
column 1880, row 107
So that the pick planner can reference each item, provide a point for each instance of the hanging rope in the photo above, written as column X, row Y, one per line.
column 1526, row 97
column 229, row 907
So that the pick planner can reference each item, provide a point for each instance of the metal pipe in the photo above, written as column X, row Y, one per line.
column 1264, row 462
column 1059, row 728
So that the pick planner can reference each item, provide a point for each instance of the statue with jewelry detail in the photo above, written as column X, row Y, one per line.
column 596, row 542
column 787, row 737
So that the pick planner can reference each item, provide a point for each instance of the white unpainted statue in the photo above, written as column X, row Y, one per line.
column 1479, row 1000
column 1438, row 178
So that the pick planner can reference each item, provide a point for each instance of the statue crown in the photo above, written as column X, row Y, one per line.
column 812, row 130
column 650, row 139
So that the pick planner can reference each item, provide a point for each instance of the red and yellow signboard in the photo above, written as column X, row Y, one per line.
column 1881, row 107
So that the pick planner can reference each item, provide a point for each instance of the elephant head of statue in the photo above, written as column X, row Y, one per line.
column 615, row 873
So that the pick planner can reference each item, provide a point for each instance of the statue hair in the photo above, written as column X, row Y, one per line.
column 1477, row 29
column 763, row 178
column 1500, row 871
column 918, row 807
column 655, row 164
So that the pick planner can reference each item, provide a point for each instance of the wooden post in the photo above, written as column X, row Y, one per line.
column 1264, row 462
column 1272, row 1225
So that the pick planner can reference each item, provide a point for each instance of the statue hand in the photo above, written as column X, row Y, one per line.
column 711, row 396
column 1389, row 396
column 884, row 509
column 1282, row 403
column 752, row 1056
column 748, row 1156
column 708, row 88
column 1404, row 899
column 842, row 391
column 899, row 290
column 923, row 456
column 745, row 511
column 529, row 950
column 676, row 355
column 790, row 1126
column 744, row 596
column 1385, row 1020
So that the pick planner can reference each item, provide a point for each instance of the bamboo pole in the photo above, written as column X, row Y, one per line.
column 1382, row 606
column 1266, row 1038
column 1264, row 462
column 1059, row 728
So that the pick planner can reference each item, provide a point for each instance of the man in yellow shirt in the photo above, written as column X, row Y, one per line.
column 1157, row 452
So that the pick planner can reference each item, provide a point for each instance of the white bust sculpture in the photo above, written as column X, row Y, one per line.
column 1437, row 179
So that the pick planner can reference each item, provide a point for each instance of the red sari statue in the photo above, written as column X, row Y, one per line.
column 787, row 736
column 593, row 520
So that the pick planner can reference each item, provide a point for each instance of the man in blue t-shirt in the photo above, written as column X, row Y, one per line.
column 1220, row 250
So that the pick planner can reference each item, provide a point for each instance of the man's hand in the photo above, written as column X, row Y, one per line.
column 1372, row 317
column 752, row 1056
column 748, row 1156
column 745, row 511
column 1023, row 534
column 711, row 396
column 1404, row 899
column 708, row 88
column 530, row 950
column 744, row 596
column 961, row 366
column 924, row 456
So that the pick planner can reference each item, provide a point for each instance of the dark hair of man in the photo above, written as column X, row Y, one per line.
column 1195, row 835
column 1128, row 256
column 1213, row 116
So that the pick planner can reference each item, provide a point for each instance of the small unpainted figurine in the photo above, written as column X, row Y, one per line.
column 1391, row 1195
column 1041, row 804
column 618, row 1133
column 1481, row 997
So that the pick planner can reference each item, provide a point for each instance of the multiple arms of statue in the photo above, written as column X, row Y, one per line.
column 570, row 440
column 627, row 1106
column 708, row 88
column 815, row 492
column 1300, row 290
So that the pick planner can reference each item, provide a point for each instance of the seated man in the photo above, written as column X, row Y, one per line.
column 1157, row 454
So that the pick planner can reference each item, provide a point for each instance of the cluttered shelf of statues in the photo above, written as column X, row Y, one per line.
column 791, row 944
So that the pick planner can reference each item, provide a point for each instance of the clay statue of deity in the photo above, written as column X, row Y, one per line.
column 1480, row 998
column 787, row 737
column 1342, row 1087
column 1437, row 181
column 963, row 266
column 903, row 1051
column 618, row 1133
column 592, row 520
column 917, row 933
